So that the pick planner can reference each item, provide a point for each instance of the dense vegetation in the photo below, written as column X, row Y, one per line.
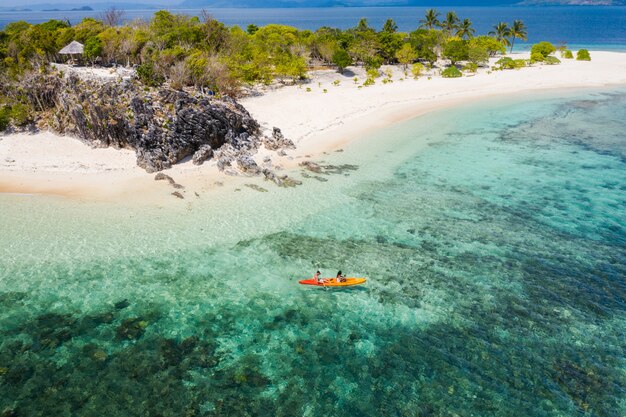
column 187, row 51
column 203, row 52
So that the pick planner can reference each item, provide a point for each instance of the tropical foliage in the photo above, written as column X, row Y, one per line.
column 201, row 52
column 583, row 55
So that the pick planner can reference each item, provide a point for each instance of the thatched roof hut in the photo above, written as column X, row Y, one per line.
column 74, row 48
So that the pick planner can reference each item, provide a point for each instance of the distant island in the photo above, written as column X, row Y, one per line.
column 75, row 9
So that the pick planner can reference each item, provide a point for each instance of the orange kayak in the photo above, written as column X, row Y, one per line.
column 332, row 282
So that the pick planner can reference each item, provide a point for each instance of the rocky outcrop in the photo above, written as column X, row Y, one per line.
column 163, row 126
column 277, row 141
column 202, row 154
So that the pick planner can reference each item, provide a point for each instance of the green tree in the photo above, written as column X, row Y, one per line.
column 389, row 43
column 431, row 19
column 406, row 55
column 450, row 24
column 517, row 31
column 491, row 45
column 390, row 26
column 92, row 48
column 543, row 48
column 342, row 59
column 502, row 33
column 451, row 72
column 363, row 26
column 455, row 50
column 87, row 28
column 465, row 29
column 252, row 29
column 426, row 42
column 477, row 55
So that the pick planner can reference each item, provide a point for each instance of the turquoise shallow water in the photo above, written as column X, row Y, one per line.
column 494, row 240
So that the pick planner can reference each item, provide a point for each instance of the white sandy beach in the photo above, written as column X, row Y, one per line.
column 315, row 120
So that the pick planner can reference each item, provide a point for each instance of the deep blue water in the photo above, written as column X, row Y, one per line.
column 594, row 27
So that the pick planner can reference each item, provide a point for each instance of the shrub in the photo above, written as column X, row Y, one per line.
column 490, row 44
column 92, row 48
column 373, row 63
column 583, row 55
column 470, row 67
column 508, row 63
column 451, row 72
column 567, row 54
column 417, row 69
column 5, row 117
column 372, row 73
column 478, row 55
column 20, row 114
column 148, row 76
column 342, row 59
column 519, row 63
column 552, row 60
column 536, row 57
column 544, row 48
column 455, row 50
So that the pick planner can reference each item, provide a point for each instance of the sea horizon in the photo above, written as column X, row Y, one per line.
column 598, row 27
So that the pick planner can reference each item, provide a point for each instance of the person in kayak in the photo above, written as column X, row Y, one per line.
column 340, row 278
column 318, row 277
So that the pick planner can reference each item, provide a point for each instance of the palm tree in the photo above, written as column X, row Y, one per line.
column 430, row 19
column 465, row 29
column 450, row 23
column 390, row 26
column 518, row 30
column 501, row 32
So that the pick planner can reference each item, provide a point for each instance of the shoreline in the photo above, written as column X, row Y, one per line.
column 323, row 119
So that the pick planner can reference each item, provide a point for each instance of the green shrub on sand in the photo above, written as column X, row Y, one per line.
column 551, row 60
column 451, row 72
column 544, row 48
column 583, row 55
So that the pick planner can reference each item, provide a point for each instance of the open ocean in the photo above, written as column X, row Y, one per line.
column 493, row 239
column 592, row 27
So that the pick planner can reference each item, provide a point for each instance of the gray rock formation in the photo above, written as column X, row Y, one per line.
column 163, row 126
column 277, row 141
column 202, row 154
column 248, row 166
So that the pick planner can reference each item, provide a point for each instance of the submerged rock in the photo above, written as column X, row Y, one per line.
column 311, row 166
column 280, row 180
column 256, row 188
column 131, row 329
